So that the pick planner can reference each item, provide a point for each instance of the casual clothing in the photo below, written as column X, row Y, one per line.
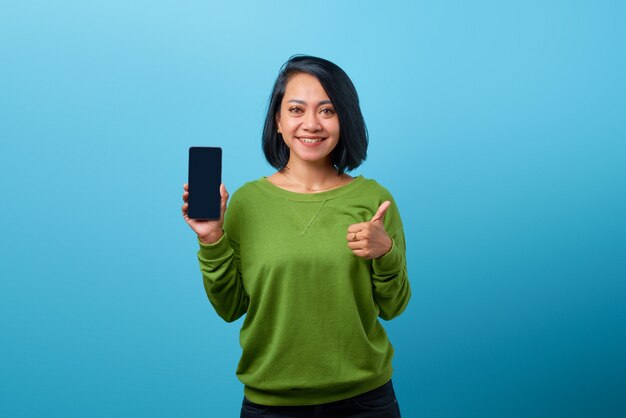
column 311, row 334
column 378, row 403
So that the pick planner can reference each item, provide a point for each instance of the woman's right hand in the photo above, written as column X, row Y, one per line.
column 209, row 232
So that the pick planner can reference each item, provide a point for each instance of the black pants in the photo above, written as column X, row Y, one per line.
column 378, row 403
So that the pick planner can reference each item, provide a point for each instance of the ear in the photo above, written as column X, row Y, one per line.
column 278, row 120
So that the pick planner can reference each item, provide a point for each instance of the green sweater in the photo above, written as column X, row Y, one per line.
column 311, row 334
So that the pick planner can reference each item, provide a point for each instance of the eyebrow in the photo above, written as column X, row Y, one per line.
column 303, row 102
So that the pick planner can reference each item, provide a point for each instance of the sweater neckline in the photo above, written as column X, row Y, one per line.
column 309, row 197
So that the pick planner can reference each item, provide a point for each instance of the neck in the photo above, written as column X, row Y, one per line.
column 311, row 176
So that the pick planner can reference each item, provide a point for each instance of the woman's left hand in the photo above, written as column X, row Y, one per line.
column 369, row 239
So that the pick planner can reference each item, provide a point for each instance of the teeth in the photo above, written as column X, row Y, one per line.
column 310, row 141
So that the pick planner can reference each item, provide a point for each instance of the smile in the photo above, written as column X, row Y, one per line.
column 311, row 140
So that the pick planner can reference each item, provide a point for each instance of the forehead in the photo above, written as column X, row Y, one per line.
column 303, row 85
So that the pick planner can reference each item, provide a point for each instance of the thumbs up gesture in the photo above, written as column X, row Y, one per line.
column 369, row 239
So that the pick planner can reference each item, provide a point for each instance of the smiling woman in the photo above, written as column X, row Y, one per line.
column 312, row 256
column 316, row 94
column 310, row 126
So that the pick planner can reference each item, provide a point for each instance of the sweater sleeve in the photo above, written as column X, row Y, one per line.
column 221, row 271
column 390, row 279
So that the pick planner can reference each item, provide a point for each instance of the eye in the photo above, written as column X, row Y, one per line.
column 327, row 111
column 295, row 110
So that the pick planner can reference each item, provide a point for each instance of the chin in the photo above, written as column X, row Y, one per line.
column 310, row 157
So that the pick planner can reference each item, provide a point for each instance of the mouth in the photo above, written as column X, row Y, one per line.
column 310, row 140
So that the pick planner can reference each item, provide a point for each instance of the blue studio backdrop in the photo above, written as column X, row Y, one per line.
column 498, row 127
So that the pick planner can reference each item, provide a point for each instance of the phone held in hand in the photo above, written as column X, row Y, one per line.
column 205, row 177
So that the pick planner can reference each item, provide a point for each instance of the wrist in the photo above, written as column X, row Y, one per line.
column 390, row 246
column 211, row 237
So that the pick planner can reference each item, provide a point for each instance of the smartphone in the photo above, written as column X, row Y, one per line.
column 205, row 177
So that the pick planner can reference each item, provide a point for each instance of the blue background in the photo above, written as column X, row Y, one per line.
column 498, row 127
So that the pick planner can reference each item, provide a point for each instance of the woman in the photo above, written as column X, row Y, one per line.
column 312, row 256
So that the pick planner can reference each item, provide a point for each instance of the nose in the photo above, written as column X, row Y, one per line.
column 311, row 122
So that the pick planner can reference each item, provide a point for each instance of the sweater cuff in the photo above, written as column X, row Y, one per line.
column 389, row 262
column 217, row 249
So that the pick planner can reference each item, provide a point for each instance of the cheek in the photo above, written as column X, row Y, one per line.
column 334, row 128
column 289, row 125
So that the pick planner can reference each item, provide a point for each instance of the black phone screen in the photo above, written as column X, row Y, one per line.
column 205, row 177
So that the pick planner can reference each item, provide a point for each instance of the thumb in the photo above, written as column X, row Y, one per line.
column 380, row 213
column 224, row 199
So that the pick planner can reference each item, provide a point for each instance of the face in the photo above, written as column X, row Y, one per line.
column 307, row 120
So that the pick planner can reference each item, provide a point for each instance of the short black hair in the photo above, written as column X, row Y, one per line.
column 351, row 150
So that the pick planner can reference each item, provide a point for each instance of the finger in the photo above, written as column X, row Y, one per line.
column 184, row 209
column 224, row 196
column 380, row 213
column 356, row 245
column 358, row 227
column 185, row 196
column 361, row 253
column 358, row 236
column 186, row 186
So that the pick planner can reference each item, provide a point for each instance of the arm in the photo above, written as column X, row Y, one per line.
column 390, row 279
column 219, row 258
column 221, row 274
column 390, row 282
